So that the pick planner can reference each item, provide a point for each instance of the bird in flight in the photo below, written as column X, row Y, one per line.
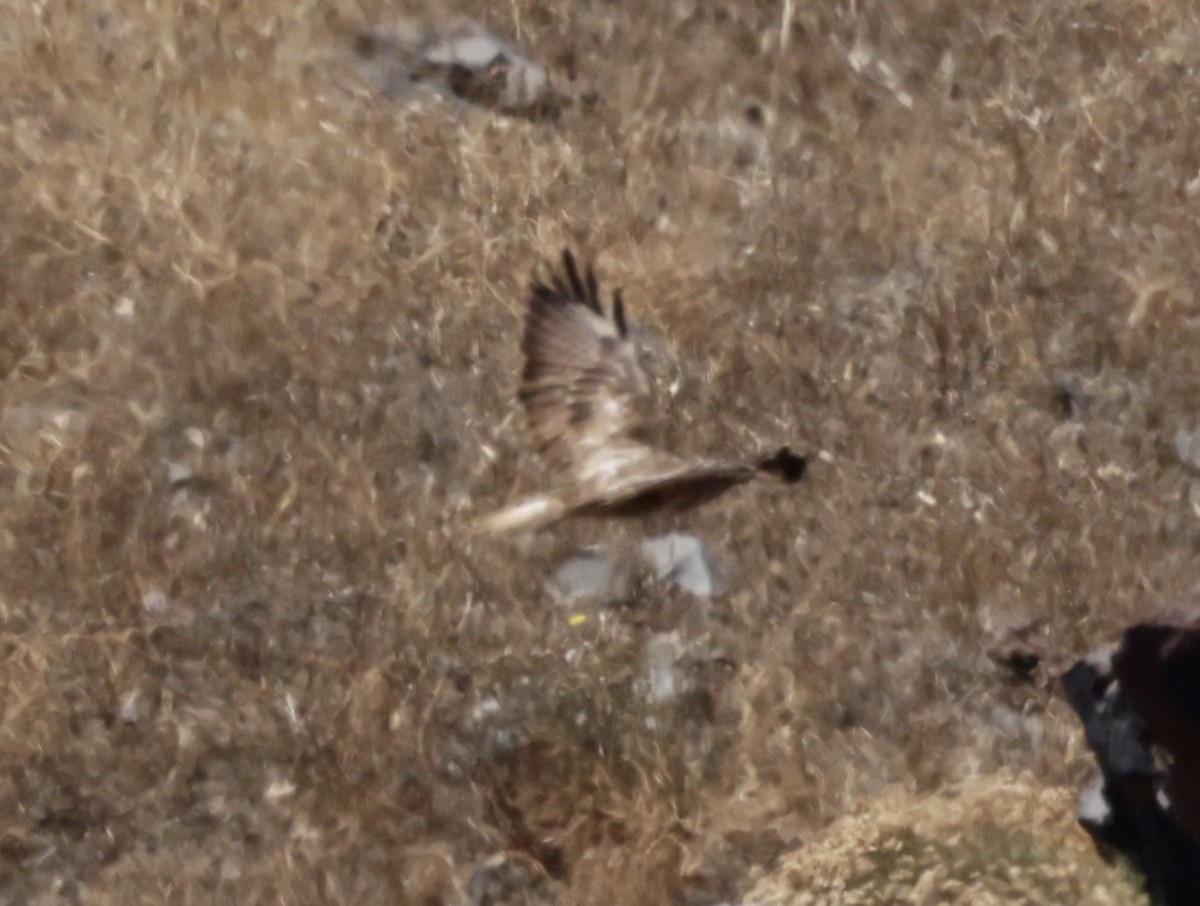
column 585, row 396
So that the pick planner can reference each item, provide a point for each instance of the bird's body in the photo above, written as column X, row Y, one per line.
column 586, row 397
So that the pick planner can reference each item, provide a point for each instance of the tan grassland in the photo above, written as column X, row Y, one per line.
column 258, row 352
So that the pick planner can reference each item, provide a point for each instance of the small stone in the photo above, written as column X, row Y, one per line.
column 1187, row 448
column 130, row 708
column 178, row 472
column 155, row 601
column 461, row 59
column 662, row 655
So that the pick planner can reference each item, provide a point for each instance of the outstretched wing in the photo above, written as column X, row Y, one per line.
column 582, row 387
column 585, row 393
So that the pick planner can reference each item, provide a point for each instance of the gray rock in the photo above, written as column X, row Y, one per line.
column 1138, row 704
column 591, row 573
column 663, row 654
column 155, row 601
column 1187, row 448
column 178, row 472
column 684, row 560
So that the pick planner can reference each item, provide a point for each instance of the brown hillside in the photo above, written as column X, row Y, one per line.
column 259, row 333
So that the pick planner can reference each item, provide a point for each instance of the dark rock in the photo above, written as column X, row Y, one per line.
column 1019, row 648
column 1070, row 398
column 1141, row 713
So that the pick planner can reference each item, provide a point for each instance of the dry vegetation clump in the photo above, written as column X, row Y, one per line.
column 258, row 352
column 992, row 840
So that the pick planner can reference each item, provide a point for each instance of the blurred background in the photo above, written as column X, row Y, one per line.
column 262, row 275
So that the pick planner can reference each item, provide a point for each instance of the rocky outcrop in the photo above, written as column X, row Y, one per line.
column 1140, row 706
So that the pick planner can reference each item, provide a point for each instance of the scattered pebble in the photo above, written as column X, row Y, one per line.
column 155, row 601
column 177, row 472
column 589, row 574
column 1069, row 397
column 1187, row 448
column 130, row 708
column 663, row 653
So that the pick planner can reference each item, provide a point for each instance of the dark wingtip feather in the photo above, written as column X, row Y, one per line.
column 619, row 314
column 565, row 286
column 579, row 290
column 593, row 289
column 785, row 465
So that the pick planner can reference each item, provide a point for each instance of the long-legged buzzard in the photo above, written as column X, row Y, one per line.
column 584, row 393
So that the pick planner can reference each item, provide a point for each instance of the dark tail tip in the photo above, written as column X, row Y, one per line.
column 785, row 464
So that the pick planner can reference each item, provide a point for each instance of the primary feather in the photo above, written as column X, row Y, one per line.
column 582, row 385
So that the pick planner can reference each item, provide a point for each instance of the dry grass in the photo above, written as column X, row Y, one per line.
column 257, row 356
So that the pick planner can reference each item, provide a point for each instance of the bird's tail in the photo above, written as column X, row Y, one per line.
column 784, row 465
column 530, row 514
